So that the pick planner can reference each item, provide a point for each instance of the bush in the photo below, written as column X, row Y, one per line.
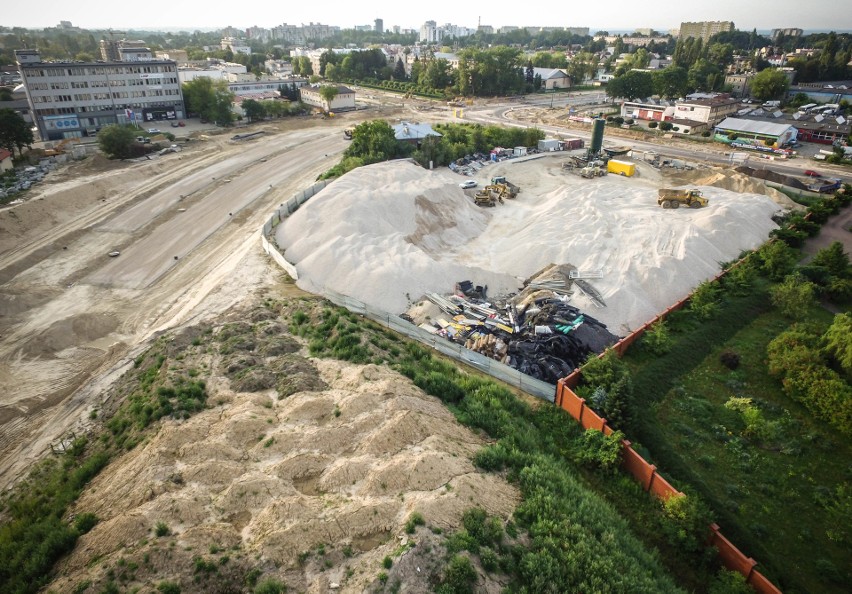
column 729, row 582
column 794, row 296
column 657, row 338
column 414, row 520
column 704, row 301
column 706, row 134
column 161, row 529
column 666, row 126
column 85, row 522
column 687, row 519
column 599, row 450
column 168, row 588
column 652, row 125
column 459, row 576
column 270, row 586
column 730, row 359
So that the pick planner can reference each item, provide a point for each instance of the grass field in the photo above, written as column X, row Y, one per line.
column 778, row 493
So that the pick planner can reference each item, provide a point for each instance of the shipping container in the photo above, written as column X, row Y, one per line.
column 572, row 144
column 621, row 167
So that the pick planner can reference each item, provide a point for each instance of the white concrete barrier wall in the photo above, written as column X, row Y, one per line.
column 493, row 368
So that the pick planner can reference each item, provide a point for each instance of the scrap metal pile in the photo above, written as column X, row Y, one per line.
column 536, row 332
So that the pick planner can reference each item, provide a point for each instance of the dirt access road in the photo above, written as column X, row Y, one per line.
column 72, row 319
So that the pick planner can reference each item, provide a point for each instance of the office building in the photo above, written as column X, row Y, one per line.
column 74, row 99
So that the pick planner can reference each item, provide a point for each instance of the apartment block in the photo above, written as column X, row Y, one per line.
column 704, row 30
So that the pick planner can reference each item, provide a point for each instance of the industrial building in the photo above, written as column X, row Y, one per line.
column 756, row 134
column 74, row 99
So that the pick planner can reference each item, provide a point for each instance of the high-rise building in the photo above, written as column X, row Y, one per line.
column 74, row 99
column 704, row 30
column 380, row 26
column 789, row 32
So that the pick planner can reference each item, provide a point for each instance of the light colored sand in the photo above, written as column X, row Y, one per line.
column 388, row 233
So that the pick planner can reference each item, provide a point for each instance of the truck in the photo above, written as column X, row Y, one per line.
column 826, row 186
column 621, row 167
column 669, row 198
column 511, row 189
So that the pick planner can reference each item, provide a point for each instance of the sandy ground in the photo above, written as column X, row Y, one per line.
column 388, row 233
column 268, row 480
column 71, row 318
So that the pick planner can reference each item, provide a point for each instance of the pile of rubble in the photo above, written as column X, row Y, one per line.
column 535, row 331
column 25, row 178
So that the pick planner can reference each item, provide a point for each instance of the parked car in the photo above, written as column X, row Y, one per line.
column 153, row 131
column 174, row 124
column 812, row 173
column 467, row 184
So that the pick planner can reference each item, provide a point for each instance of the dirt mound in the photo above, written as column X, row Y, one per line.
column 73, row 331
column 274, row 482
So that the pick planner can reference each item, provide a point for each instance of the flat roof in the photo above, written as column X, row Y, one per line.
column 753, row 126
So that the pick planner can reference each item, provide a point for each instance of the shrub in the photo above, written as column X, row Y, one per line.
column 729, row 359
column 706, row 134
column 599, row 450
column 168, row 588
column 459, row 576
column 666, row 126
column 85, row 522
column 794, row 296
column 657, row 338
column 414, row 520
column 161, row 529
column 387, row 562
column 687, row 518
column 729, row 582
column 652, row 125
column 270, row 586
column 704, row 301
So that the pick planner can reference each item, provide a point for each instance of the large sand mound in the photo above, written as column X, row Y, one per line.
column 388, row 233
column 271, row 480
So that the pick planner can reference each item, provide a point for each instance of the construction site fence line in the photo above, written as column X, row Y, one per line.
column 494, row 368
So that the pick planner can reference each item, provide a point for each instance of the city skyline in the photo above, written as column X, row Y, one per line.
column 620, row 15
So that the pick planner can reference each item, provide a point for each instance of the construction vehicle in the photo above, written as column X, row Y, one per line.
column 485, row 197
column 511, row 189
column 669, row 198
column 593, row 169
column 347, row 134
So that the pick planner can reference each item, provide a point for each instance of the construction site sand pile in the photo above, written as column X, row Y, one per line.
column 388, row 233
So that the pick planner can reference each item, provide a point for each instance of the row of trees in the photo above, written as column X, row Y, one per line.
column 271, row 108
column 209, row 99
column 374, row 141
column 676, row 81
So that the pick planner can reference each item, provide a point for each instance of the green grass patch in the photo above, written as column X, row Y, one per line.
column 714, row 418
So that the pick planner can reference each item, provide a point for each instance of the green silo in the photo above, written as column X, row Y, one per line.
column 597, row 135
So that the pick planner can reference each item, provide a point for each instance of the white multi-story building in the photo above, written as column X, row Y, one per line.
column 343, row 101
column 74, row 99
column 238, row 46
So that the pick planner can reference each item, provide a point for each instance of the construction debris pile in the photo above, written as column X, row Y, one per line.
column 535, row 331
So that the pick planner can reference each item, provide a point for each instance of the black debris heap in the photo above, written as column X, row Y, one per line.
column 544, row 337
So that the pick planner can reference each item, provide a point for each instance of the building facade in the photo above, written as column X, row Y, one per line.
column 704, row 29
column 74, row 99
column 740, row 84
column 706, row 111
column 343, row 101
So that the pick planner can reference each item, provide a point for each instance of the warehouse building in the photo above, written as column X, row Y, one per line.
column 755, row 134
column 75, row 99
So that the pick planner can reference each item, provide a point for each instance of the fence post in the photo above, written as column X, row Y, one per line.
column 582, row 408
column 651, row 478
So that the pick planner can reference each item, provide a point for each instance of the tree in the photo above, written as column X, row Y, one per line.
column 834, row 259
column 705, row 75
column 838, row 343
column 671, row 82
column 5, row 94
column 254, row 110
column 399, row 70
column 328, row 93
column 631, row 85
column 14, row 131
column 209, row 99
column 794, row 296
column 116, row 141
column 769, row 84
column 373, row 141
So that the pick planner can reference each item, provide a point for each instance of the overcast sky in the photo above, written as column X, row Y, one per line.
column 835, row 15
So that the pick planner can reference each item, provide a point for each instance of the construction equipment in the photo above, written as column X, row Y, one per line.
column 485, row 197
column 511, row 189
column 347, row 134
column 593, row 169
column 669, row 198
